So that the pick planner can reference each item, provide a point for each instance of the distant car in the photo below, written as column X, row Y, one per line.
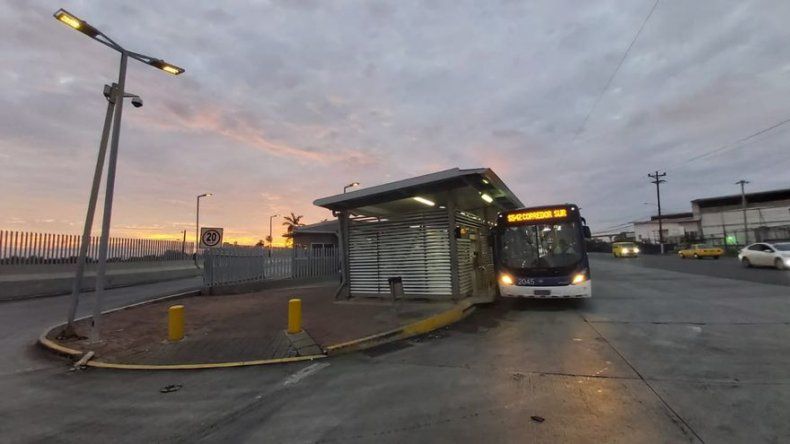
column 625, row 249
column 766, row 254
column 700, row 251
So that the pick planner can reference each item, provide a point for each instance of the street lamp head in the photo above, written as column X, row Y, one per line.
column 72, row 20
column 353, row 184
column 205, row 195
column 137, row 101
column 166, row 67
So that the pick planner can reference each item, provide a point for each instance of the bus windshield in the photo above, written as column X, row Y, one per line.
column 552, row 245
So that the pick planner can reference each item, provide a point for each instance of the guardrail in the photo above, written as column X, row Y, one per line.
column 26, row 248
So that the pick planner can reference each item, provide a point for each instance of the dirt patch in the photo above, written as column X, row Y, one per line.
column 241, row 327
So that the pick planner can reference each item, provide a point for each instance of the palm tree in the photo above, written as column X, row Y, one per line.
column 291, row 222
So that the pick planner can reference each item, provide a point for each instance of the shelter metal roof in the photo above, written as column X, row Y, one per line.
column 325, row 227
column 465, row 187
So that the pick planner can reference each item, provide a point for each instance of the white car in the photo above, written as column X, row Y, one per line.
column 765, row 254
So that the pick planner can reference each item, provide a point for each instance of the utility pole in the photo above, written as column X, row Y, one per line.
column 657, row 179
column 743, row 207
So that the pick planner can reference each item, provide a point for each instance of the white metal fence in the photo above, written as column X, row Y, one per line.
column 237, row 265
column 21, row 247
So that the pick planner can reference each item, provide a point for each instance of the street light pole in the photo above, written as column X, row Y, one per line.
column 86, row 231
column 117, row 94
column 109, row 189
column 197, row 223
column 742, row 183
column 271, row 240
column 351, row 185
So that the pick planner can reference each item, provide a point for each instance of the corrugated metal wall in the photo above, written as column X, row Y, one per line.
column 466, row 266
column 415, row 247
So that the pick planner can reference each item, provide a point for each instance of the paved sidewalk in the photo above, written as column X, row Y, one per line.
column 244, row 327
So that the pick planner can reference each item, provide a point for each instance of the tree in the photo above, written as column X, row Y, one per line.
column 259, row 243
column 291, row 222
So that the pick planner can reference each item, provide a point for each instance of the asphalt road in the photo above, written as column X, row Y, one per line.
column 654, row 356
column 21, row 322
column 724, row 267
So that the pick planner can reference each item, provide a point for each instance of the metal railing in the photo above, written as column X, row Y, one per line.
column 237, row 265
column 315, row 263
column 26, row 248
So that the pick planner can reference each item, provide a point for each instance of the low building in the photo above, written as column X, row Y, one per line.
column 678, row 228
column 429, row 232
column 767, row 217
column 318, row 238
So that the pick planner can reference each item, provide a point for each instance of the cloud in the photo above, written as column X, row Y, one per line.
column 284, row 102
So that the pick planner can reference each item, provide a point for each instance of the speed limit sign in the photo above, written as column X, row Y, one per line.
column 210, row 237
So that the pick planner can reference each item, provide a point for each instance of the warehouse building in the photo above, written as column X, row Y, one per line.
column 721, row 219
column 677, row 228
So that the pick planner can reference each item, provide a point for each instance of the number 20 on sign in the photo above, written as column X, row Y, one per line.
column 210, row 237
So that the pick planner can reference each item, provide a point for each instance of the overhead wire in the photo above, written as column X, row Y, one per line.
column 616, row 70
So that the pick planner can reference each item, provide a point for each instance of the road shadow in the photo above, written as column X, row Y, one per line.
column 489, row 316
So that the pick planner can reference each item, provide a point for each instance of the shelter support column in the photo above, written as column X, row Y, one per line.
column 344, row 290
column 454, row 280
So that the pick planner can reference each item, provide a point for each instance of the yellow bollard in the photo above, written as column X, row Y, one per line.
column 294, row 316
column 175, row 323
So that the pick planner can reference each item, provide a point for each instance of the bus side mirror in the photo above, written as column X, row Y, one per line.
column 587, row 232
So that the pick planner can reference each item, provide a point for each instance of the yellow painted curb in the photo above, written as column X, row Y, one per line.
column 54, row 346
column 204, row 366
column 63, row 350
column 429, row 324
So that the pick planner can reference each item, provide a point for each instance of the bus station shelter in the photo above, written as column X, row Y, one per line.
column 429, row 234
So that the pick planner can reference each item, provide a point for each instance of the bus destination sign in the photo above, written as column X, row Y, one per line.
column 533, row 215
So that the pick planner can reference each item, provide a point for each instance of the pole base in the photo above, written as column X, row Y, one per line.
column 69, row 332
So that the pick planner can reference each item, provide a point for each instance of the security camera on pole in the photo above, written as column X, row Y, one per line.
column 115, row 94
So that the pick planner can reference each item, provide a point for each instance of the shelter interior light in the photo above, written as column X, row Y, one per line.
column 424, row 201
column 486, row 197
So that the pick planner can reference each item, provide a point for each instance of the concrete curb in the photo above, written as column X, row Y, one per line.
column 456, row 313
column 459, row 311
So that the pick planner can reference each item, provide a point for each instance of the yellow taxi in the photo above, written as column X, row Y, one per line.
column 700, row 251
column 625, row 249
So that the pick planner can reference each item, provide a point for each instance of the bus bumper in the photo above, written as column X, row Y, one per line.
column 565, row 291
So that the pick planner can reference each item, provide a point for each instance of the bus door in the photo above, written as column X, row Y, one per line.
column 482, row 260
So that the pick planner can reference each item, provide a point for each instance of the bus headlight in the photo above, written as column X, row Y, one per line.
column 636, row 250
column 625, row 250
column 578, row 278
column 506, row 279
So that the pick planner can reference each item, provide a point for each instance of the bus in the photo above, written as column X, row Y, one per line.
column 539, row 253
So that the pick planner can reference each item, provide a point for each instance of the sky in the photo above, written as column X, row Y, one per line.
column 284, row 102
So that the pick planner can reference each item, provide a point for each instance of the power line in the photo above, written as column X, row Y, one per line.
column 614, row 73
column 723, row 148
column 734, row 145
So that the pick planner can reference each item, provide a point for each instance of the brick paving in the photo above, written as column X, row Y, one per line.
column 245, row 326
